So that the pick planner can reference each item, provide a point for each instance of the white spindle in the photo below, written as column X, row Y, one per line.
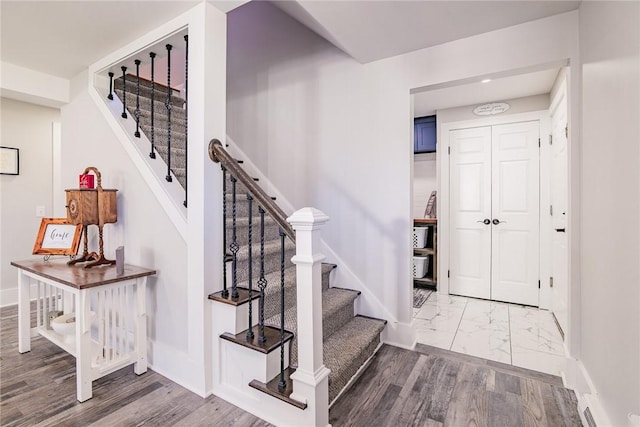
column 39, row 305
column 123, row 317
column 109, row 343
column 100, row 318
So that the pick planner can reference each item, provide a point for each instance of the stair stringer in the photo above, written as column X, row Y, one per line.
column 399, row 334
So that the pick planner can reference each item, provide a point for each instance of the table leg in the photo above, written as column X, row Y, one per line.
column 24, row 312
column 83, row 347
column 140, row 367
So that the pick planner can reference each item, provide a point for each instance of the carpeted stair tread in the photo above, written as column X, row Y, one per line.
column 327, row 268
column 271, row 258
column 177, row 111
column 348, row 349
column 271, row 229
column 337, row 310
column 272, row 290
column 145, row 91
column 161, row 119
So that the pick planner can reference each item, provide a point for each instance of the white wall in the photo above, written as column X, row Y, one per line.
column 29, row 128
column 187, row 255
column 143, row 228
column 424, row 181
column 609, row 49
column 335, row 134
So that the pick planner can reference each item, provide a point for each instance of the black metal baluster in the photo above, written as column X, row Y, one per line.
column 168, row 105
column 282, row 384
column 152, row 154
column 250, row 235
column 234, row 244
column 110, row 96
column 137, row 111
column 124, row 92
column 262, row 282
column 186, row 120
column 225, row 292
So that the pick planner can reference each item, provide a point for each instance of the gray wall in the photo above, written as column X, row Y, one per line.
column 29, row 128
column 610, row 235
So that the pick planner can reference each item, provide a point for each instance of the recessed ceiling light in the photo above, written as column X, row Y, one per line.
column 485, row 81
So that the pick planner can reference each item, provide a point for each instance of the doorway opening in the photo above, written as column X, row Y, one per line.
column 498, row 163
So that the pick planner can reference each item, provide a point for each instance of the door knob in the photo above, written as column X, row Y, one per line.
column 496, row 221
column 486, row 221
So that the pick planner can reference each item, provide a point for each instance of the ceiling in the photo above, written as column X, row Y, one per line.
column 373, row 30
column 500, row 89
column 62, row 38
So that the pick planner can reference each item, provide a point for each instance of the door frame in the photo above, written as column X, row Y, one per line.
column 444, row 195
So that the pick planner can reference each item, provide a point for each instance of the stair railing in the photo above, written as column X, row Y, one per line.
column 130, row 96
column 218, row 154
column 266, row 204
column 306, row 388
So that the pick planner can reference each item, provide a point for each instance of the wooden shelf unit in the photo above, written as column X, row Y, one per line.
column 430, row 281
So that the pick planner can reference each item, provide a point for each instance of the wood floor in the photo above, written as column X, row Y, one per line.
column 435, row 387
column 39, row 388
column 426, row 387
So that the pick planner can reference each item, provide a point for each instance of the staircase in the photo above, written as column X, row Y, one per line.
column 159, row 134
column 348, row 340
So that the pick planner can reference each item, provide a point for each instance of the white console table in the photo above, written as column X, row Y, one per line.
column 110, row 313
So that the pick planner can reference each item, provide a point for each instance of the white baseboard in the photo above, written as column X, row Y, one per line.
column 10, row 296
column 576, row 377
column 176, row 366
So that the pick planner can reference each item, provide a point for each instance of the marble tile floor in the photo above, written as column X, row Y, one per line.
column 521, row 336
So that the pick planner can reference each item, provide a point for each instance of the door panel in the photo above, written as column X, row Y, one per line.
column 470, row 180
column 516, row 207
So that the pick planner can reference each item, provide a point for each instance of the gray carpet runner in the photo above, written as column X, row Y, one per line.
column 160, row 121
column 348, row 340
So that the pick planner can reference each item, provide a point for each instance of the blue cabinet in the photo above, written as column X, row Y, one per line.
column 424, row 134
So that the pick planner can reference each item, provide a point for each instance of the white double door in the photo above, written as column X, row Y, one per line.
column 495, row 211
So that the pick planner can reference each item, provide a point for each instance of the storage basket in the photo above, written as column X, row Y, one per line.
column 420, row 236
column 420, row 266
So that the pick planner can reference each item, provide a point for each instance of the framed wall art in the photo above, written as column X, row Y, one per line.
column 9, row 161
column 57, row 237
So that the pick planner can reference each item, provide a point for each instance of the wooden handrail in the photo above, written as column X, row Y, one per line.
column 218, row 154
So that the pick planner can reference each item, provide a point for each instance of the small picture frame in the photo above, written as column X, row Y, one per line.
column 9, row 161
column 57, row 237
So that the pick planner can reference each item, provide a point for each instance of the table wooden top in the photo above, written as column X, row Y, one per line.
column 79, row 277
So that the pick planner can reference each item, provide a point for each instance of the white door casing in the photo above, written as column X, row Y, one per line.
column 515, row 213
column 470, row 236
column 559, row 202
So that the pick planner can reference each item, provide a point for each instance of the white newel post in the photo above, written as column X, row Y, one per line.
column 311, row 379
